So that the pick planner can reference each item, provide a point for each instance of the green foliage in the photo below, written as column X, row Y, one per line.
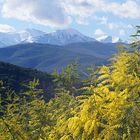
column 31, row 117
column 90, row 80
column 68, row 79
column 111, row 112
column 21, row 118
column 136, row 39
column 14, row 78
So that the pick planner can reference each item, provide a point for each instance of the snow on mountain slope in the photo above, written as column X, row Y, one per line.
column 110, row 39
column 13, row 38
column 62, row 37
column 29, row 35
column 59, row 37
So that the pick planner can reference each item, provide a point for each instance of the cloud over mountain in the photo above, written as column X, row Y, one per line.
column 6, row 28
column 58, row 13
column 41, row 12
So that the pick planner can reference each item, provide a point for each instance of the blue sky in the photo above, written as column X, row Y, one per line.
column 95, row 18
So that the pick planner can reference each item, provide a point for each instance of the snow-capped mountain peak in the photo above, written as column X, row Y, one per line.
column 68, row 31
column 116, row 40
column 59, row 37
column 110, row 39
column 28, row 35
column 62, row 37
column 67, row 34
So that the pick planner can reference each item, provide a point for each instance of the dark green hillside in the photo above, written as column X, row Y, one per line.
column 15, row 77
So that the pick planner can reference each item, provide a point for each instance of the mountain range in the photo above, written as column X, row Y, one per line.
column 59, row 37
column 36, row 49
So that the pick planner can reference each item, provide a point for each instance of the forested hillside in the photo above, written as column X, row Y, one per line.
column 15, row 78
column 106, row 107
column 46, row 57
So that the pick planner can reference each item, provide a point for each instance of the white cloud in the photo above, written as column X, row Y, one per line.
column 61, row 12
column 128, row 9
column 121, row 27
column 103, row 20
column 82, row 21
column 113, row 25
column 6, row 28
column 43, row 12
column 99, row 33
column 86, row 8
